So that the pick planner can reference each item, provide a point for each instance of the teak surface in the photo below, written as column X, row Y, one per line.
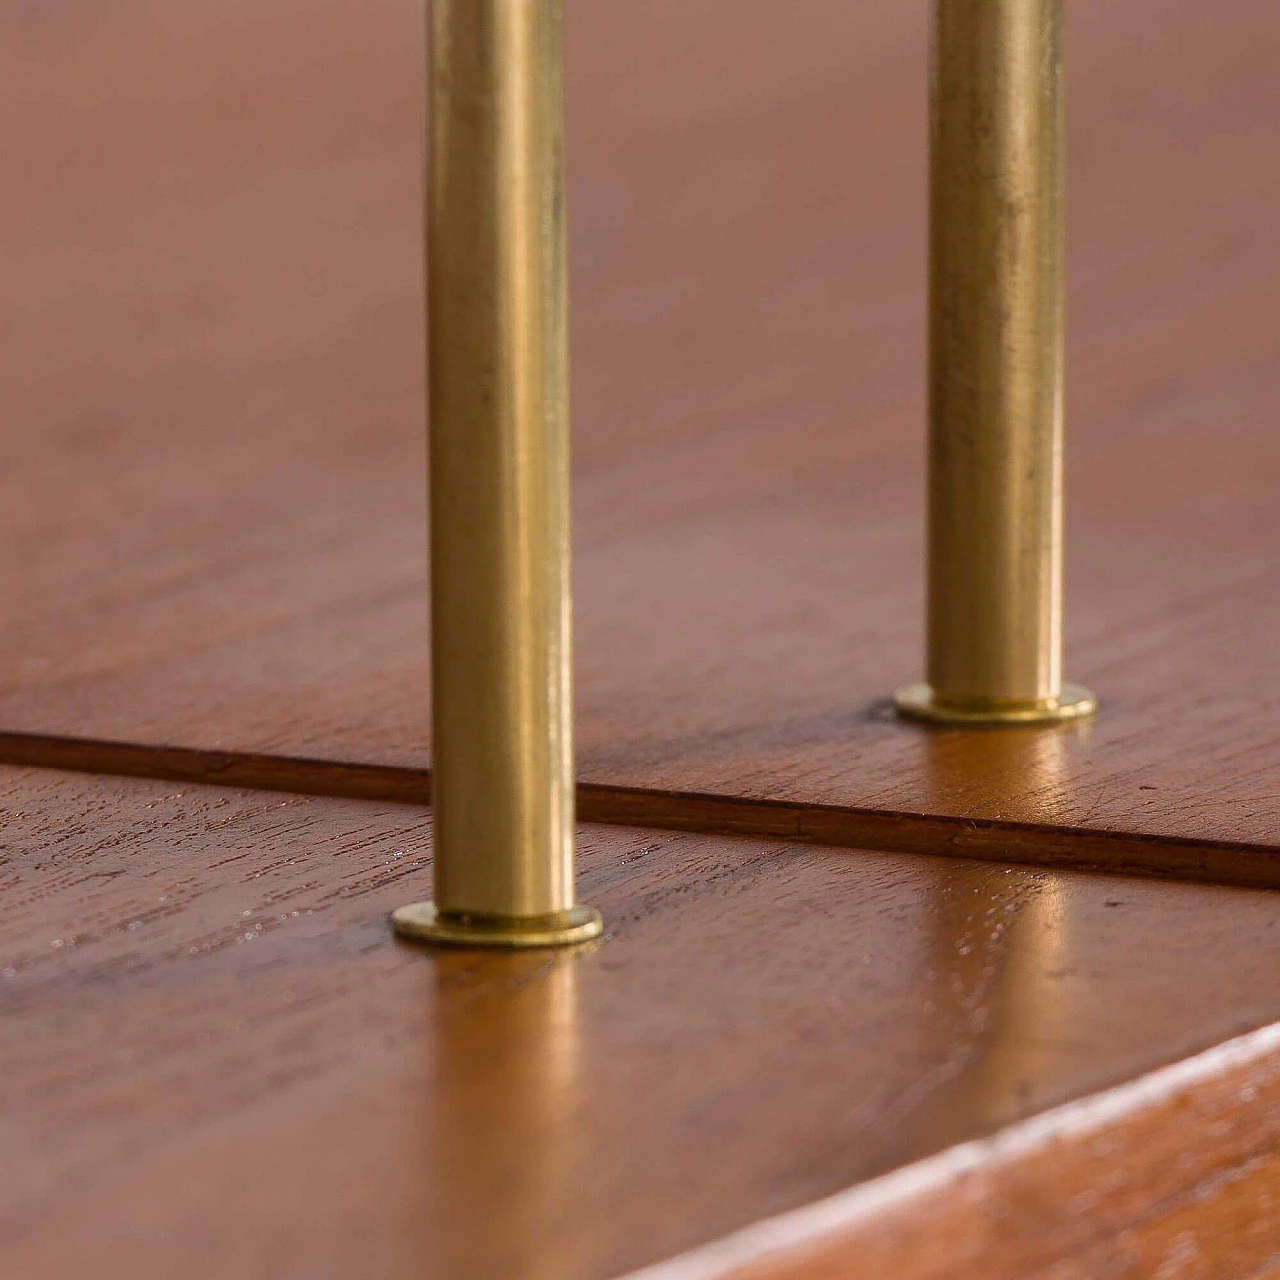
column 1170, row 1178
column 211, row 507
column 213, row 1054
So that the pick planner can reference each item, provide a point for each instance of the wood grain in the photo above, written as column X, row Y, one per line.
column 214, row 1055
column 1028, row 844
column 1173, row 1157
column 211, row 502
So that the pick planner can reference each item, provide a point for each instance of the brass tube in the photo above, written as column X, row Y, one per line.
column 502, row 771
column 996, row 295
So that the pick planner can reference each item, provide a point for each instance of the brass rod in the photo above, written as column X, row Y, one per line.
column 502, row 730
column 996, row 301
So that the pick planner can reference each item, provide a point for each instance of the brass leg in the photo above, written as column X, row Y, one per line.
column 995, row 368
column 499, row 439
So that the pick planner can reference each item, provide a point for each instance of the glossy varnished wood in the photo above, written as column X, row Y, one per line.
column 212, row 511
column 1211, row 862
column 213, row 1049
column 1175, row 1158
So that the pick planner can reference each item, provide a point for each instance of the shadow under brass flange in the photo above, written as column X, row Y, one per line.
column 918, row 702
column 423, row 923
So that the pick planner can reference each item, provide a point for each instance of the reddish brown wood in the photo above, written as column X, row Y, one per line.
column 1193, row 1176
column 211, row 496
column 211, row 521
column 1211, row 862
column 214, row 1056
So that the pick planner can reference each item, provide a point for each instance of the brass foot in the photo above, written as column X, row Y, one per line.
column 918, row 702
column 423, row 923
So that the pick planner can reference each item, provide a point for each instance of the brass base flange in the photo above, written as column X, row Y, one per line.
column 423, row 923
column 918, row 702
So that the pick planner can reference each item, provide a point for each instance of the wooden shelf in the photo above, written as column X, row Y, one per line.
column 213, row 458
column 212, row 1047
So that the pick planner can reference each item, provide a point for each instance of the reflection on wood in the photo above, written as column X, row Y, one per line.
column 504, row 1140
column 1028, row 768
column 998, row 968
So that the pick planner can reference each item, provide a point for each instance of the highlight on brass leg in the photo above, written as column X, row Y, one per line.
column 501, row 652
column 996, row 291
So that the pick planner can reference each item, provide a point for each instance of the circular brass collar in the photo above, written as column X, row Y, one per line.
column 423, row 923
column 918, row 702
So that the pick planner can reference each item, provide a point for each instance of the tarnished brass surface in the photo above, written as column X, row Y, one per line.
column 995, row 364
column 499, row 447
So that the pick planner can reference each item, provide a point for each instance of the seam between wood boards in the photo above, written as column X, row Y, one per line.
column 887, row 831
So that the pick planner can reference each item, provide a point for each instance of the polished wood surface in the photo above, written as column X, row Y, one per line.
column 1241, row 864
column 212, row 483
column 213, row 1053
column 1169, row 1177
column 214, row 1056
